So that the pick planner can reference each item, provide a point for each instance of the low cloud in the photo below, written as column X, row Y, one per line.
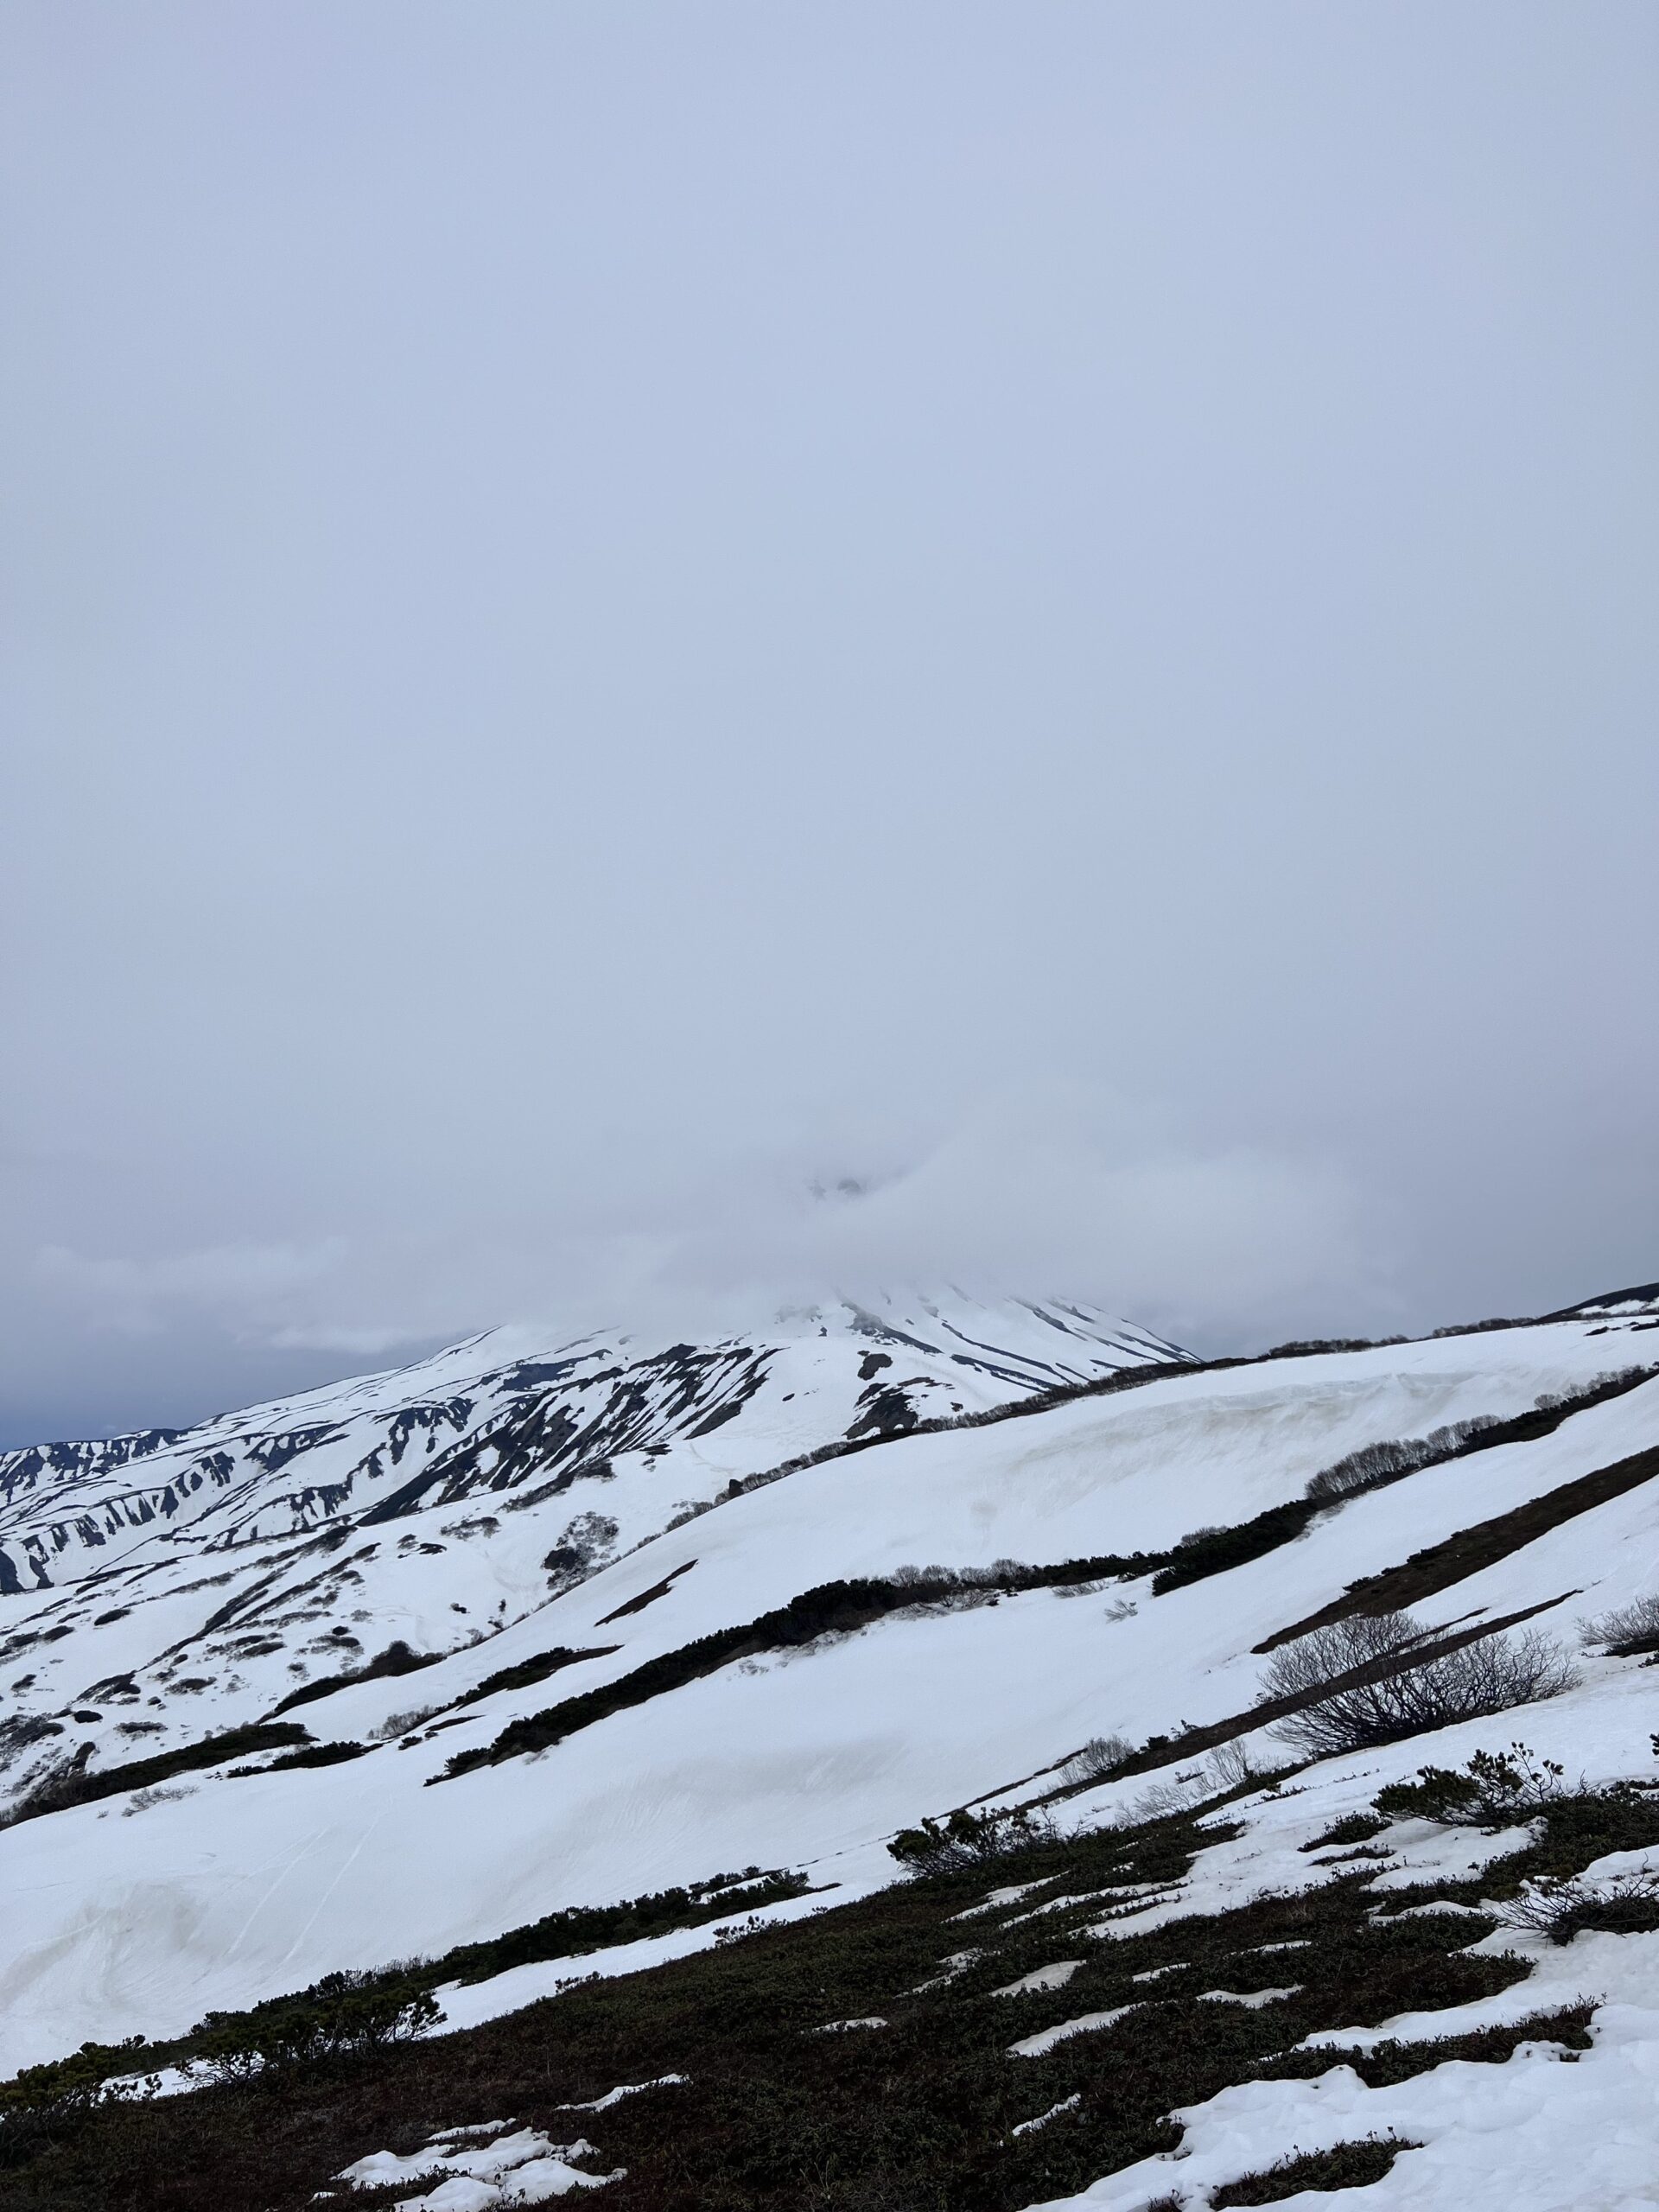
column 271, row 1294
column 1052, row 1195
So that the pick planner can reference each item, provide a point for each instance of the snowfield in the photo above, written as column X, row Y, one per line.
column 203, row 1574
column 138, row 1914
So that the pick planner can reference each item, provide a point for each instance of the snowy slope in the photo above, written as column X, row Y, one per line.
column 130, row 1917
column 161, row 1587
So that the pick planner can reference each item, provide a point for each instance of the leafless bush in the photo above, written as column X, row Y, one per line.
column 142, row 1799
column 1627, row 1628
column 1182, row 1793
column 1231, row 1766
column 1375, row 1463
column 400, row 1724
column 688, row 1508
column 735, row 1930
column 1097, row 1758
column 1415, row 1693
column 588, row 1544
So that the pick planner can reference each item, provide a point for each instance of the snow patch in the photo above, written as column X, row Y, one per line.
column 521, row 2168
column 1050, row 1977
column 1036, row 2046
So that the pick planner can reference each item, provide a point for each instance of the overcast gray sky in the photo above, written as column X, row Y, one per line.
column 613, row 610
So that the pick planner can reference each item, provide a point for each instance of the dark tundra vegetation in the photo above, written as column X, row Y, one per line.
column 924, row 2110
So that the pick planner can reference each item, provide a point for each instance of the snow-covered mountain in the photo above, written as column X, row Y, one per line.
column 157, row 1587
column 1115, row 1561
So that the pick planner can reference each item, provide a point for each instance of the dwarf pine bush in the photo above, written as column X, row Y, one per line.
column 967, row 1839
column 1495, row 1790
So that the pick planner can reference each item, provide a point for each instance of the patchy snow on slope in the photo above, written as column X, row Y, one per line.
column 1549, row 2131
column 521, row 2167
column 156, row 1588
column 1050, row 1977
column 627, row 2089
column 1043, row 2042
column 806, row 1759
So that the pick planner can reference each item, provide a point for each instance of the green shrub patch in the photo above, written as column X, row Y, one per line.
column 579, row 1929
column 529, row 1672
column 916, row 2116
column 1345, row 2166
column 396, row 1659
column 83, row 1785
column 1380, row 2065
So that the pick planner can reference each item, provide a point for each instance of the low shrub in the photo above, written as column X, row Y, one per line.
column 77, row 1783
column 308, row 1755
column 1352, row 1827
column 343, row 2016
column 921, row 2113
column 529, row 1672
column 1311, row 1347
column 828, row 1609
column 396, row 1659
column 1482, row 1544
column 1345, row 2166
column 1213, row 1551
column 44, row 2104
column 1627, row 1630
column 967, row 1839
column 1380, row 2065
column 1495, row 1790
column 1585, row 1825
column 1383, row 1679
column 577, row 1929
column 1099, row 1758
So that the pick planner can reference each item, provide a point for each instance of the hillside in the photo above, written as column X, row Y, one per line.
column 158, row 1587
column 824, row 1615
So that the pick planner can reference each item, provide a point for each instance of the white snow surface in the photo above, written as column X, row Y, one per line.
column 520, row 2167
column 1044, row 2041
column 1546, row 2131
column 1054, row 1976
column 156, row 1587
column 241, row 1889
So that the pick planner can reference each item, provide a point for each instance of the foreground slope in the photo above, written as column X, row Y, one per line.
column 140, row 1911
column 1231, row 2004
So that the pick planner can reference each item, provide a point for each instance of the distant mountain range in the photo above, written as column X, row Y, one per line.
column 524, row 1466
